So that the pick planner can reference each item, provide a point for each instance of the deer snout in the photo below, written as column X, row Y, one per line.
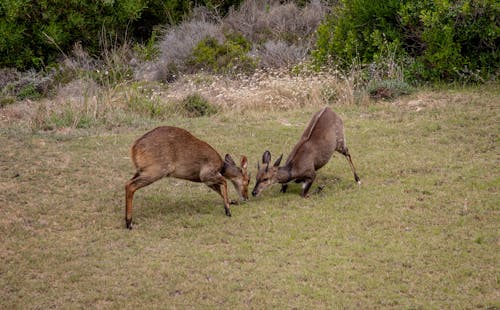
column 257, row 189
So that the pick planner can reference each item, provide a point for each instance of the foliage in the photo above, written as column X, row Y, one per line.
column 448, row 40
column 358, row 29
column 196, row 105
column 452, row 40
column 229, row 56
column 35, row 33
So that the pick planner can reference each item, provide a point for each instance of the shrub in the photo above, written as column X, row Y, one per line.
column 280, row 54
column 448, row 40
column 177, row 44
column 281, row 33
column 26, row 85
column 261, row 21
column 228, row 57
column 196, row 105
column 358, row 29
column 452, row 40
column 388, row 89
column 36, row 33
column 262, row 32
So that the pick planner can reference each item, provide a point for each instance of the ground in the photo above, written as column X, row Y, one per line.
column 420, row 232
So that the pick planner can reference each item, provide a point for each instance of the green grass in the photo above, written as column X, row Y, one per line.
column 420, row 233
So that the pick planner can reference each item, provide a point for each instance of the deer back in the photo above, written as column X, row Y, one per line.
column 174, row 152
column 319, row 140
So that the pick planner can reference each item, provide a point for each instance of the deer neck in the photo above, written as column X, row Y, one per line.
column 229, row 171
column 284, row 174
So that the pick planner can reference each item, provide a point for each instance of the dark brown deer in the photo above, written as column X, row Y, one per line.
column 174, row 152
column 323, row 136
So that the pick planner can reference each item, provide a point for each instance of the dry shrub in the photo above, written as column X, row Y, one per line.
column 282, row 33
column 280, row 54
column 262, row 20
column 25, row 85
column 178, row 43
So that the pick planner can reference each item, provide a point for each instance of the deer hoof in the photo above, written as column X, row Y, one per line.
column 228, row 212
column 128, row 223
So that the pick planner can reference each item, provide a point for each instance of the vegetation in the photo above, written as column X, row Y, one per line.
column 446, row 40
column 230, row 56
column 34, row 34
column 431, row 40
column 420, row 232
column 87, row 78
column 195, row 105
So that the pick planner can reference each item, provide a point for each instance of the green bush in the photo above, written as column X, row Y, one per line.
column 447, row 40
column 452, row 40
column 36, row 33
column 29, row 92
column 228, row 57
column 195, row 106
column 358, row 30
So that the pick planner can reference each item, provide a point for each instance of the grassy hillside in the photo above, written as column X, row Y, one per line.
column 421, row 231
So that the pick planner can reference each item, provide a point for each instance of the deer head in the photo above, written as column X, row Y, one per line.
column 266, row 175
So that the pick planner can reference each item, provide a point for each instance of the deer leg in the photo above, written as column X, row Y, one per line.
column 284, row 187
column 219, row 185
column 306, row 185
column 137, row 181
column 221, row 189
column 345, row 152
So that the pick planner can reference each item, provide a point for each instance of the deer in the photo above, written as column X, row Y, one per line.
column 168, row 151
column 323, row 136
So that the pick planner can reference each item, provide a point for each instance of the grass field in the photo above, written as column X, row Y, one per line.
column 422, row 232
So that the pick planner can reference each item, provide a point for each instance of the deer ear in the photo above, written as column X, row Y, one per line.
column 278, row 161
column 228, row 159
column 266, row 157
column 244, row 162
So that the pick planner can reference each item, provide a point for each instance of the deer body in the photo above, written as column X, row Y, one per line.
column 323, row 136
column 173, row 152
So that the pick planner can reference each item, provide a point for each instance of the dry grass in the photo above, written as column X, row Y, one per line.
column 421, row 232
column 83, row 103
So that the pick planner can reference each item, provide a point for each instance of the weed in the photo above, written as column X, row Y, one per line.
column 28, row 92
column 6, row 100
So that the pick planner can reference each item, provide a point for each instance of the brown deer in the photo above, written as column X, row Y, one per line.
column 323, row 136
column 174, row 152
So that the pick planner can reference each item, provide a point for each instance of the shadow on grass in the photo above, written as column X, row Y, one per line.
column 151, row 206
